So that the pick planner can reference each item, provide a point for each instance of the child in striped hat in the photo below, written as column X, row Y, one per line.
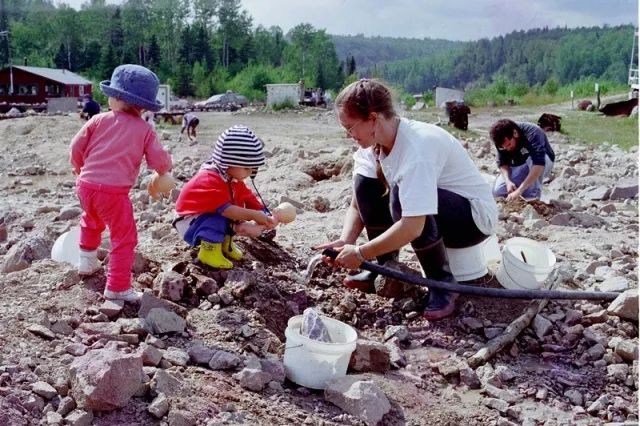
column 216, row 202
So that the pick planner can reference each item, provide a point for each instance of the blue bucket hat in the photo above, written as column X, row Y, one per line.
column 135, row 85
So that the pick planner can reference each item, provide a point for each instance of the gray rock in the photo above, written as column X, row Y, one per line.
column 614, row 284
column 159, row 406
column 223, row 360
column 400, row 331
column 170, row 285
column 253, row 379
column 370, row 356
column 151, row 356
column 105, row 379
column 181, row 418
column 596, row 194
column 626, row 305
column 111, row 308
column 200, row 354
column 541, row 326
column 69, row 212
column 176, row 356
column 575, row 397
column 162, row 321
column 41, row 331
column 149, row 301
column 626, row 188
column 618, row 371
column 360, row 398
column 274, row 367
column 627, row 349
column 469, row 378
column 67, row 404
column 44, row 389
column 165, row 383
column 25, row 252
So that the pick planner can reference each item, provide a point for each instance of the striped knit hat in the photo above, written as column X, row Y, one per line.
column 237, row 146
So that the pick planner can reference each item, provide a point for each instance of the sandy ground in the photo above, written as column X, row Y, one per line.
column 308, row 161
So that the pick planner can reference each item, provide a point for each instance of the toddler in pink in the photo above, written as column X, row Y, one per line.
column 106, row 155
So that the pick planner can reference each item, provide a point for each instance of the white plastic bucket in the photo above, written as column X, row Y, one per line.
column 311, row 363
column 470, row 263
column 66, row 248
column 518, row 274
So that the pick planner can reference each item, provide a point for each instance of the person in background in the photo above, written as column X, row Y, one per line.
column 525, row 158
column 106, row 155
column 413, row 183
column 216, row 203
column 90, row 108
column 189, row 123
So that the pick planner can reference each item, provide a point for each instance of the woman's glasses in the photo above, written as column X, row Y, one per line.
column 350, row 129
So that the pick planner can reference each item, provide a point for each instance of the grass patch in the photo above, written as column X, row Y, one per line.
column 594, row 129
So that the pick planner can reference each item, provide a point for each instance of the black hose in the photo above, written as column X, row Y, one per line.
column 480, row 291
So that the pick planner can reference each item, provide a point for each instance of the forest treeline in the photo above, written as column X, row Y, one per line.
column 202, row 47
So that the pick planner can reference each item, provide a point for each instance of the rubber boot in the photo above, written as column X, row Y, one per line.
column 230, row 249
column 434, row 263
column 364, row 280
column 373, row 205
column 211, row 254
column 88, row 263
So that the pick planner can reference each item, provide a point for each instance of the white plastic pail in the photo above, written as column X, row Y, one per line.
column 66, row 248
column 311, row 363
column 470, row 263
column 525, row 264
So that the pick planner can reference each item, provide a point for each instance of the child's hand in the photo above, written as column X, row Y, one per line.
column 265, row 220
column 160, row 184
column 249, row 229
column 76, row 171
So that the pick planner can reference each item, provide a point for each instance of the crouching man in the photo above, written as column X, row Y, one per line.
column 525, row 158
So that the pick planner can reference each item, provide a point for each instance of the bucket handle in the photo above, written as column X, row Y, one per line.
column 293, row 347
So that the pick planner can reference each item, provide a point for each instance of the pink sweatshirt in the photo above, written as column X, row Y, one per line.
column 109, row 149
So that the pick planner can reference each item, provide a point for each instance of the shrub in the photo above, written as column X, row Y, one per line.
column 286, row 104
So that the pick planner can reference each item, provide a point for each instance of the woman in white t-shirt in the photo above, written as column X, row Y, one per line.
column 414, row 183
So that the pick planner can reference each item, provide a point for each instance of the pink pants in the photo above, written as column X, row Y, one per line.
column 109, row 206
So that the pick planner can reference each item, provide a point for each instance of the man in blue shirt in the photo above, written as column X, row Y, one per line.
column 525, row 158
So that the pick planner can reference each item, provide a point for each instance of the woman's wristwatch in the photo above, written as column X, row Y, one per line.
column 359, row 255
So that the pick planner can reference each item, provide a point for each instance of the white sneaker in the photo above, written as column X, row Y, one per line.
column 89, row 263
column 128, row 295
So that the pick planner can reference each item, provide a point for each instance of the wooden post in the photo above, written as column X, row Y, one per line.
column 572, row 100
column 597, row 96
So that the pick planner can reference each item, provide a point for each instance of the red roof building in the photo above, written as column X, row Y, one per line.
column 32, row 85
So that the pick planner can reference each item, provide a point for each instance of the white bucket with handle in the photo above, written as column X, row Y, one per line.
column 312, row 363
column 66, row 248
column 470, row 263
column 526, row 264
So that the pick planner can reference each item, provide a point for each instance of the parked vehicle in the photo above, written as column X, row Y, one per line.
column 228, row 101
column 313, row 97
column 176, row 103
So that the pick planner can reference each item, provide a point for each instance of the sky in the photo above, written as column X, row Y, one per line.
column 447, row 19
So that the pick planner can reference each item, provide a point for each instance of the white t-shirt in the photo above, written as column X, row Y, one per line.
column 424, row 158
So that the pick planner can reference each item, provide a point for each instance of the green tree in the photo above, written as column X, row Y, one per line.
column 108, row 62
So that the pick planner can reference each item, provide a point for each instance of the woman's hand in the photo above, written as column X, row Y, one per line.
column 335, row 244
column 347, row 258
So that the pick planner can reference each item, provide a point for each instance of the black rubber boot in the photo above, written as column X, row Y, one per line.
column 372, row 199
column 434, row 263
